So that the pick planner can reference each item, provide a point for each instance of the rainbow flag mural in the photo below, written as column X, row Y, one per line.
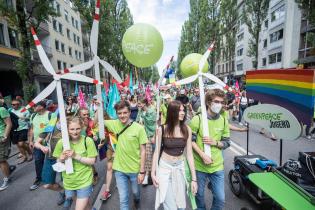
column 291, row 89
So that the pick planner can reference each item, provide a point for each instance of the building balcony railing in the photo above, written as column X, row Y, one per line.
column 47, row 50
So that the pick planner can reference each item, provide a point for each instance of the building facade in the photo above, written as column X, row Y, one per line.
column 61, row 38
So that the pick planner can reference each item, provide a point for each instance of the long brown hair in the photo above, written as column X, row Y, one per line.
column 172, row 119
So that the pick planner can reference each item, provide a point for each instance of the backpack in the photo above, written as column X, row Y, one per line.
column 15, row 121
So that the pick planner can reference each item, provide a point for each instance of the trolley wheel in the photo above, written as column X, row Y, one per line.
column 236, row 183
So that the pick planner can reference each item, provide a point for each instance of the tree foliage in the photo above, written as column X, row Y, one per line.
column 115, row 20
column 26, row 14
column 209, row 20
column 308, row 7
column 254, row 14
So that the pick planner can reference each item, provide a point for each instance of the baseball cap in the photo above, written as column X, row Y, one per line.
column 41, row 103
column 95, row 97
column 182, row 91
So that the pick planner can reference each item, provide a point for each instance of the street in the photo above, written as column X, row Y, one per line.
column 18, row 196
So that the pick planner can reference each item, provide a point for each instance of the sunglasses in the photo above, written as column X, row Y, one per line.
column 15, row 104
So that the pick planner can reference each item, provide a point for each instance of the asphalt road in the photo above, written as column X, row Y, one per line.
column 18, row 196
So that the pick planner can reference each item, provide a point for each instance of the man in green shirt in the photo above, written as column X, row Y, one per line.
column 218, row 138
column 39, row 121
column 129, row 155
column 5, row 128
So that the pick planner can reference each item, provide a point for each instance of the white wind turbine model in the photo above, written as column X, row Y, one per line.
column 200, row 75
column 56, row 84
column 95, row 62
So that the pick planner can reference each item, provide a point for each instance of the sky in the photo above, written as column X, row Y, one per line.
column 167, row 16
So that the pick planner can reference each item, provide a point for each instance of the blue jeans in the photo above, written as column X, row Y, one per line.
column 39, row 157
column 216, row 180
column 123, row 188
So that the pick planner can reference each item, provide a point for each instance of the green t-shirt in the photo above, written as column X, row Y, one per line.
column 127, row 154
column 83, row 174
column 217, row 129
column 4, row 113
column 39, row 122
column 149, row 121
column 163, row 110
column 23, row 123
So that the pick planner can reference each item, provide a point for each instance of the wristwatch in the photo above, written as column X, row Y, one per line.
column 142, row 172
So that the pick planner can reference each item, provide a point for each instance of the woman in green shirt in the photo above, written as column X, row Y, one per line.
column 83, row 152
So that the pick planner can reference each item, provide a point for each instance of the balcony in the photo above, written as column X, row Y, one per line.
column 47, row 49
column 43, row 29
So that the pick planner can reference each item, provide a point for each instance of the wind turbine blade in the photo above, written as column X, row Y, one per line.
column 82, row 66
column 46, row 92
column 187, row 80
column 42, row 54
column 94, row 30
column 80, row 78
column 110, row 69
column 205, row 56
column 216, row 80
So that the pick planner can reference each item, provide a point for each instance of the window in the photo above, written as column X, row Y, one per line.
column 264, row 61
column 59, row 64
column 57, row 7
column 63, row 47
column 76, row 24
column 74, row 38
column 265, row 43
column 275, row 58
column 1, row 35
column 239, row 52
column 68, row 33
column 55, row 25
column 60, row 28
column 64, row 65
column 72, row 20
column 275, row 36
column 70, row 51
column 78, row 39
column 76, row 54
column 57, row 45
column 240, row 37
column 66, row 15
column 278, row 13
column 239, row 67
column 266, row 24
column 13, row 37
column 8, row 4
column 79, row 55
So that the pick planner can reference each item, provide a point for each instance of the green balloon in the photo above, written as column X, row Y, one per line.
column 190, row 65
column 142, row 45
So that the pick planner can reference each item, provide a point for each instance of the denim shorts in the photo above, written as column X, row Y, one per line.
column 80, row 193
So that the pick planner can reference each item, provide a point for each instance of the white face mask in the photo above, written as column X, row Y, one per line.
column 216, row 107
column 58, row 126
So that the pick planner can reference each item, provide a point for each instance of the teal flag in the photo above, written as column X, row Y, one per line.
column 104, row 98
column 131, row 84
column 114, row 97
column 76, row 89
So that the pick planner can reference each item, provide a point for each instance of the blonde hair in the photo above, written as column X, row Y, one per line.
column 74, row 120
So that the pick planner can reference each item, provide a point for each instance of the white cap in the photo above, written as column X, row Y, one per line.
column 182, row 91
column 167, row 96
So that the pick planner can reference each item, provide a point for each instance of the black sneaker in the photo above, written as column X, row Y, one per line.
column 12, row 168
column 136, row 204
column 35, row 185
column 61, row 198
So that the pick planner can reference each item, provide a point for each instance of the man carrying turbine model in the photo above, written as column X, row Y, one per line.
column 218, row 138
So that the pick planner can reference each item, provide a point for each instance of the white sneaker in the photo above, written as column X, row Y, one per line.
column 5, row 184
column 309, row 137
column 241, row 124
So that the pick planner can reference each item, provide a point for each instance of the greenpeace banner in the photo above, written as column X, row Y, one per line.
column 276, row 119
